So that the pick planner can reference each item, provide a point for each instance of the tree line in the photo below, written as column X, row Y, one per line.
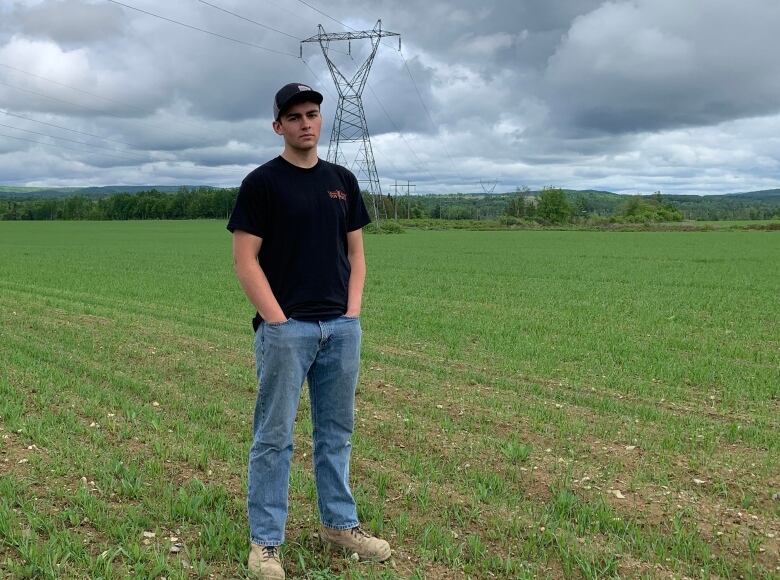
column 196, row 203
column 550, row 205
column 553, row 206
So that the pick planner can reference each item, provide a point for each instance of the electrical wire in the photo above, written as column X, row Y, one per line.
column 190, row 26
column 248, row 19
column 50, row 144
column 325, row 15
column 420, row 167
column 46, row 96
column 427, row 112
column 54, row 137
column 239, row 16
column 317, row 78
column 107, row 99
column 122, row 153
column 10, row 114
column 71, row 87
column 297, row 15
column 78, row 105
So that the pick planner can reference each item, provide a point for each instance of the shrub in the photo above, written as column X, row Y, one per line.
column 384, row 227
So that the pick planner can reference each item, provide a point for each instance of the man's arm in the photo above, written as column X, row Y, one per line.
column 357, row 276
column 246, row 248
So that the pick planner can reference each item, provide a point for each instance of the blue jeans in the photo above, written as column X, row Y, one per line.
column 327, row 353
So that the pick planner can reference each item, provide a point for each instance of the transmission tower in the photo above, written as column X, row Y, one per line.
column 488, row 185
column 349, row 125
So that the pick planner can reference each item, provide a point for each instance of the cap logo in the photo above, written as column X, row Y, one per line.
column 303, row 88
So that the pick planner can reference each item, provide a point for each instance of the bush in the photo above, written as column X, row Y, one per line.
column 384, row 227
column 508, row 220
column 642, row 210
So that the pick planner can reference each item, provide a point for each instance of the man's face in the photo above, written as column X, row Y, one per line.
column 300, row 126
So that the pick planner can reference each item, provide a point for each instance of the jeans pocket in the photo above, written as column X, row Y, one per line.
column 278, row 324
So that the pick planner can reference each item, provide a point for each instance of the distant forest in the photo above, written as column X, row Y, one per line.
column 186, row 203
column 548, row 205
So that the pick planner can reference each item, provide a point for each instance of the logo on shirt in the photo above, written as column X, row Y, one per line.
column 338, row 194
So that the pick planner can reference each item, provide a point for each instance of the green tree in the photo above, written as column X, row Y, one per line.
column 582, row 207
column 515, row 207
column 553, row 206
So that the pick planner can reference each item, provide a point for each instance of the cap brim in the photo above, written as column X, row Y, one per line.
column 302, row 97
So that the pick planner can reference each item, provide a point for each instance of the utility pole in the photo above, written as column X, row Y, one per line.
column 396, row 187
column 349, row 125
column 408, row 201
column 394, row 198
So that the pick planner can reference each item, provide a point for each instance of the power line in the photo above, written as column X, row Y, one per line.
column 48, row 144
column 325, row 15
column 427, row 112
column 248, row 19
column 45, row 96
column 287, row 10
column 65, row 128
column 80, row 106
column 397, row 130
column 110, row 100
column 258, row 23
column 417, row 90
column 13, row 68
column 280, row 32
column 190, row 26
column 317, row 78
column 66, row 139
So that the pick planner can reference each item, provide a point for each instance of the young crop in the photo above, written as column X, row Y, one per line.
column 531, row 404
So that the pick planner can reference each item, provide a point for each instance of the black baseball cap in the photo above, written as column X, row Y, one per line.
column 294, row 93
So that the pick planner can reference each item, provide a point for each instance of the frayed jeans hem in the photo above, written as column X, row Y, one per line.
column 341, row 527
column 257, row 542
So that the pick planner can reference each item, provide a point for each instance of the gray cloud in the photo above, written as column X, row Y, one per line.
column 627, row 95
column 72, row 22
column 652, row 65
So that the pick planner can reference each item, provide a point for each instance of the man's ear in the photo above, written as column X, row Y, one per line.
column 277, row 125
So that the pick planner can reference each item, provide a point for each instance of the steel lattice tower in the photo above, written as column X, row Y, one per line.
column 349, row 124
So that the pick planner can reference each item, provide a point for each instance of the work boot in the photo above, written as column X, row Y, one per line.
column 264, row 563
column 356, row 541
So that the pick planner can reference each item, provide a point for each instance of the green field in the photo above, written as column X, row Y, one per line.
column 532, row 404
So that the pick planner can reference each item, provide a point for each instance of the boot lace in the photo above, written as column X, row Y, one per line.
column 270, row 552
column 359, row 534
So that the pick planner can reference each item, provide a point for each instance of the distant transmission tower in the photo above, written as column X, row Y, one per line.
column 349, row 125
column 488, row 185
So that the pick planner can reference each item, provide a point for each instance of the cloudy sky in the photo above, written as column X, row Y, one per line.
column 627, row 96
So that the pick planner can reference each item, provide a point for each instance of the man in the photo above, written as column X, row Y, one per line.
column 298, row 253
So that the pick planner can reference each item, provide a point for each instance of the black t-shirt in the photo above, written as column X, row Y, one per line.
column 303, row 216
